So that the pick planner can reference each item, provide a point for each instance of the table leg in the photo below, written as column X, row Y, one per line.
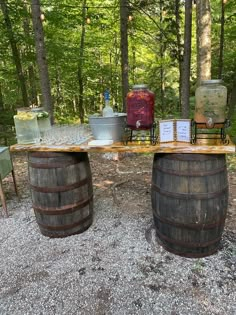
column 14, row 182
column 2, row 196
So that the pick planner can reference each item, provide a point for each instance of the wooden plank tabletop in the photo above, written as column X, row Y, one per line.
column 170, row 147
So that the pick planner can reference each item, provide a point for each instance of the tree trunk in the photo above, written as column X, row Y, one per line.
column 232, row 110
column 203, row 40
column 33, row 100
column 232, row 100
column 222, row 29
column 80, row 66
column 1, row 99
column 15, row 53
column 179, row 48
column 41, row 58
column 162, row 70
column 33, row 90
column 124, row 50
column 58, row 96
column 185, row 92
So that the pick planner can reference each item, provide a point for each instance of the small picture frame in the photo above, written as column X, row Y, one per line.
column 183, row 130
column 166, row 130
column 178, row 130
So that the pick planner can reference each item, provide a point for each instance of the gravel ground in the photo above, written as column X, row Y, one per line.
column 115, row 267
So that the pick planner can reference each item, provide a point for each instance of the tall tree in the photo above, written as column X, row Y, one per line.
column 41, row 57
column 28, row 51
column 185, row 84
column 203, row 40
column 124, row 50
column 80, row 65
column 232, row 108
column 179, row 48
column 15, row 52
column 222, row 29
column 1, row 99
column 232, row 99
column 162, row 50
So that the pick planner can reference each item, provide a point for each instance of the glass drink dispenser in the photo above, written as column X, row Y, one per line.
column 43, row 119
column 27, row 130
column 140, row 107
column 211, row 99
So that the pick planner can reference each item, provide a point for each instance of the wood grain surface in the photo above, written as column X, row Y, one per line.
column 204, row 146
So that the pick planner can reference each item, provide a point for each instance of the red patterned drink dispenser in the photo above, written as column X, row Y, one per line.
column 140, row 107
column 140, row 115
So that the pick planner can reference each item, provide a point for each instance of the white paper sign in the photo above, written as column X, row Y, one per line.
column 166, row 130
column 183, row 130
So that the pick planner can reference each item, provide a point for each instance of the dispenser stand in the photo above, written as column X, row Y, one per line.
column 130, row 136
column 216, row 131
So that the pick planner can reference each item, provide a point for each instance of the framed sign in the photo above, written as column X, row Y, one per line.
column 166, row 130
column 183, row 130
column 175, row 130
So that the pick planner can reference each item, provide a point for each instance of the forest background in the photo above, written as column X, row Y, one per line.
column 85, row 43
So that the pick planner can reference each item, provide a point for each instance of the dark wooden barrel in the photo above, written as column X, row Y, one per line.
column 189, row 202
column 62, row 192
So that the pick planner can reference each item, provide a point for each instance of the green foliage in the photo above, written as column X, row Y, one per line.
column 229, row 41
column 231, row 131
column 152, row 50
column 198, row 266
column 231, row 164
column 7, row 133
column 6, row 117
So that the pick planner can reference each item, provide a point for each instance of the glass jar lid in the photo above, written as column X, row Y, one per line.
column 37, row 109
column 139, row 86
column 218, row 81
column 23, row 109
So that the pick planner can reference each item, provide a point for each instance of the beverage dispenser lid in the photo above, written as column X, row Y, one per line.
column 140, row 86
column 23, row 109
column 37, row 109
column 218, row 81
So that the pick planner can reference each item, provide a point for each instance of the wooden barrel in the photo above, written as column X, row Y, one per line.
column 189, row 202
column 62, row 192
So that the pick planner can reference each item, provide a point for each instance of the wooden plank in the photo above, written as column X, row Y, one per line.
column 170, row 147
